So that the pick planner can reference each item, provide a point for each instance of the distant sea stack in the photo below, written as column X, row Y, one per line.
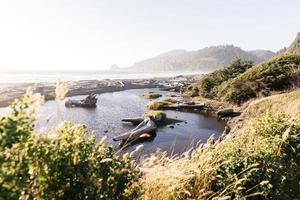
column 205, row 60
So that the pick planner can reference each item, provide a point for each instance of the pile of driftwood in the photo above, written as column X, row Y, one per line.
column 144, row 131
column 89, row 102
column 147, row 126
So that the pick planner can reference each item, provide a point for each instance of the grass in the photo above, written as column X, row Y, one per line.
column 158, row 105
column 157, row 115
column 150, row 95
column 287, row 103
column 263, row 163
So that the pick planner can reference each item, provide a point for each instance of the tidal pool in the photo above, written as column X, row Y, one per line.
column 112, row 107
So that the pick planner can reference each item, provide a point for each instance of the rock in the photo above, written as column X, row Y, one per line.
column 171, row 126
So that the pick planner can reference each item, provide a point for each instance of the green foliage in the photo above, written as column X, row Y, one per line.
column 158, row 105
column 156, row 114
column 62, row 164
column 151, row 95
column 280, row 73
column 262, row 164
column 209, row 85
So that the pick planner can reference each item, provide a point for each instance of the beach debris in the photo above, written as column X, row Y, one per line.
column 89, row 102
column 147, row 126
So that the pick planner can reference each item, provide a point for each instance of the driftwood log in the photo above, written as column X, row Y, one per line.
column 229, row 112
column 134, row 121
column 184, row 106
column 146, row 126
column 138, row 120
column 89, row 102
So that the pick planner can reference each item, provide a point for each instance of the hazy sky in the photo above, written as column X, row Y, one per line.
column 94, row 34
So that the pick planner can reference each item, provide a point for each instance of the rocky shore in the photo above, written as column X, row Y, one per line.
column 11, row 91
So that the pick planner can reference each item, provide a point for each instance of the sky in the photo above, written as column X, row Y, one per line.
column 95, row 34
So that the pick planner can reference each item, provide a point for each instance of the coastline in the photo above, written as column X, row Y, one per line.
column 11, row 91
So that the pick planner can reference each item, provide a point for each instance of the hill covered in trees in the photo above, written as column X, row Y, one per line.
column 206, row 59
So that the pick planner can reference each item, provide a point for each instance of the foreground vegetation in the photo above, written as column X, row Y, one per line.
column 60, row 164
column 263, row 163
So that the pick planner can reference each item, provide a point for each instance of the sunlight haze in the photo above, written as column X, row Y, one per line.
column 93, row 35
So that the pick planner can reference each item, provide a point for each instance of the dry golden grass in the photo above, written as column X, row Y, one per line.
column 150, row 95
column 166, row 177
column 157, row 105
column 287, row 103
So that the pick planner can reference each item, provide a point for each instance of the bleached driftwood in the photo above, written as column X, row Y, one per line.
column 146, row 126
column 89, row 102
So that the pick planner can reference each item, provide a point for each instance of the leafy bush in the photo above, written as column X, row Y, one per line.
column 209, row 85
column 280, row 73
column 62, row 164
column 264, row 164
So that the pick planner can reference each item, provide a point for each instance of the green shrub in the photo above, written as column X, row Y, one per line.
column 280, row 73
column 209, row 84
column 62, row 164
column 262, row 164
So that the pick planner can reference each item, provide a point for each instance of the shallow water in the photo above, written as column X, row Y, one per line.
column 106, row 118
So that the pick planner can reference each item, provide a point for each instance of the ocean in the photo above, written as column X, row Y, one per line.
column 53, row 76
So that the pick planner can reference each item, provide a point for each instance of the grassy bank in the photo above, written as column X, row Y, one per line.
column 261, row 163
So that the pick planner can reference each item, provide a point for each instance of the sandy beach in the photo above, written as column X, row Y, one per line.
column 11, row 91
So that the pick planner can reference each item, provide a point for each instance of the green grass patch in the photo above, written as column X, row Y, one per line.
column 263, row 163
column 158, row 105
column 156, row 114
column 150, row 95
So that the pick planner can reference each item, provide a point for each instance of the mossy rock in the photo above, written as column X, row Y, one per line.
column 150, row 95
column 157, row 115
column 158, row 105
